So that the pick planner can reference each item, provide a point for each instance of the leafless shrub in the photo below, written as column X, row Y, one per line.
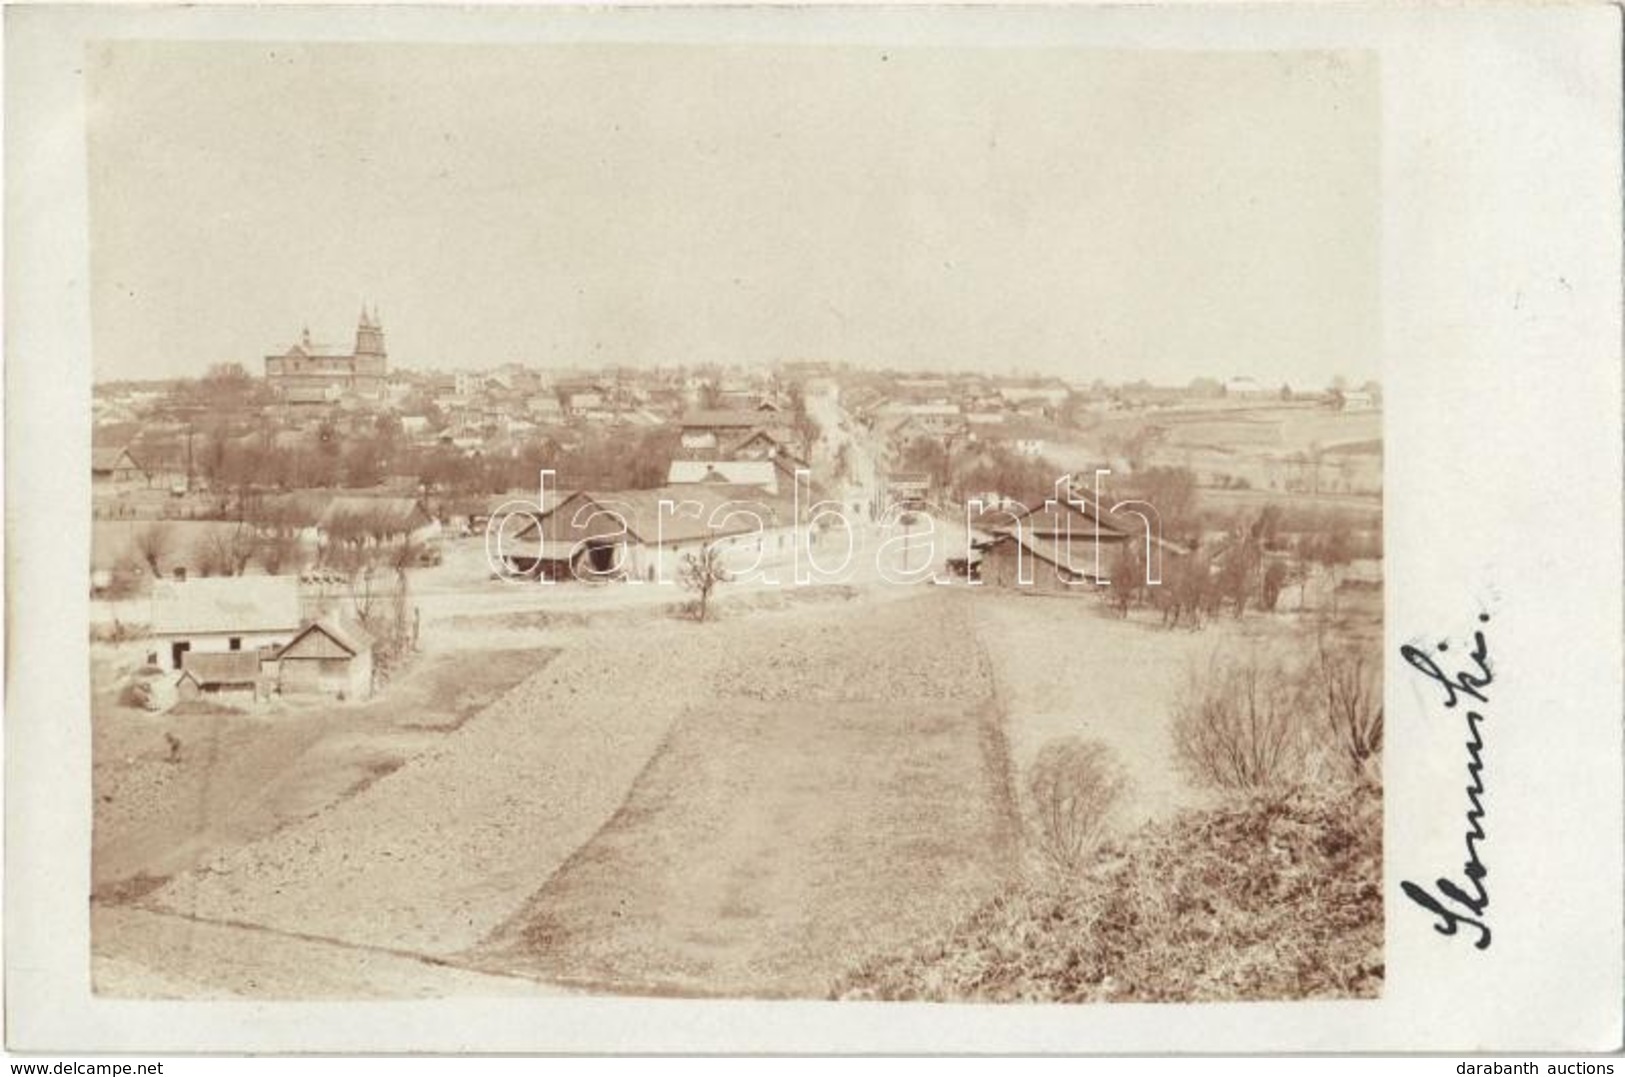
column 1273, row 896
column 1237, row 724
column 1347, row 681
column 1076, row 786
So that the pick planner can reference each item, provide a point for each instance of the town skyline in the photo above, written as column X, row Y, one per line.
column 1083, row 215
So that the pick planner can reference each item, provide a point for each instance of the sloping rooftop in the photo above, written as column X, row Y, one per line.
column 1075, row 558
column 724, row 472
column 691, row 510
column 1068, row 519
column 222, row 667
column 352, row 637
column 507, row 502
column 110, row 458
column 719, row 417
column 226, row 604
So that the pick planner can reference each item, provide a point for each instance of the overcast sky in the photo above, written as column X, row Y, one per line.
column 1080, row 213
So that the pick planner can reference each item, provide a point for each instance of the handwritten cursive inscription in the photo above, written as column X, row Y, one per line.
column 1454, row 906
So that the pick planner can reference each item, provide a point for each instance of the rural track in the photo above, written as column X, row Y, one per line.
column 236, row 957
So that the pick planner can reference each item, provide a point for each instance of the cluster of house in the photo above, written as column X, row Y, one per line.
column 1019, row 414
column 1025, row 415
column 317, row 393
column 243, row 639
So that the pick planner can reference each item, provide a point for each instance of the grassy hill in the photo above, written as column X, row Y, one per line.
column 1268, row 897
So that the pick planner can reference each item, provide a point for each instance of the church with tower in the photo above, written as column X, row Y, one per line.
column 309, row 373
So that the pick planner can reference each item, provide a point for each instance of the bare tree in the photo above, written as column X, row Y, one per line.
column 364, row 593
column 1275, row 579
column 1076, row 787
column 242, row 546
column 277, row 552
column 278, row 543
column 1333, row 554
column 1237, row 572
column 1188, row 591
column 1127, row 578
column 701, row 572
column 154, row 543
column 224, row 551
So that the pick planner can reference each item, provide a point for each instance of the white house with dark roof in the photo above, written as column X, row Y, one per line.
column 222, row 615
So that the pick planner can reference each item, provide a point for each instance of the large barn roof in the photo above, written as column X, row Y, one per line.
column 226, row 604
column 693, row 507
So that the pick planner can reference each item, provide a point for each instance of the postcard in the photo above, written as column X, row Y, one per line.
column 790, row 529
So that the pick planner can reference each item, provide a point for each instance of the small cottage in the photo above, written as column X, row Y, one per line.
column 115, row 467
column 327, row 657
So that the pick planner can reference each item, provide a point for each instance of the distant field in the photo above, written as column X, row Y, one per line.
column 1363, row 511
column 1331, row 428
column 1285, row 429
column 1267, row 447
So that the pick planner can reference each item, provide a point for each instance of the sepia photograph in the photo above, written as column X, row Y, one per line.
column 755, row 522
column 789, row 530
